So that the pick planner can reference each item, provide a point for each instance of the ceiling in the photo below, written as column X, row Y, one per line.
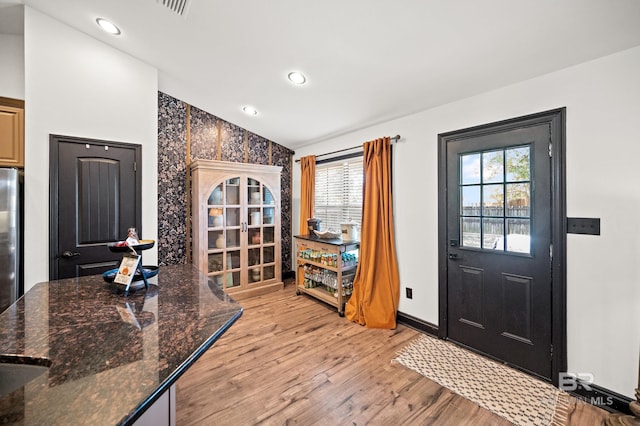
column 367, row 61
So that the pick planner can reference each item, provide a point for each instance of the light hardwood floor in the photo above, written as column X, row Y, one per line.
column 292, row 360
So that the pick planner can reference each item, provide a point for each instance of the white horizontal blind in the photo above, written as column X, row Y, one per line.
column 339, row 193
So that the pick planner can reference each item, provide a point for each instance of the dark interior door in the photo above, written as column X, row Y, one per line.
column 95, row 198
column 498, row 231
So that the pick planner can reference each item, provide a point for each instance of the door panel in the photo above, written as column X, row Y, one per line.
column 516, row 307
column 12, row 134
column 471, row 296
column 95, row 199
column 499, row 233
column 98, row 181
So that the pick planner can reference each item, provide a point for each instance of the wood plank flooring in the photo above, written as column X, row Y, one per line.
column 292, row 360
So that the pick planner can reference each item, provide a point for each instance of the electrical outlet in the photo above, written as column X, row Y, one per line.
column 409, row 293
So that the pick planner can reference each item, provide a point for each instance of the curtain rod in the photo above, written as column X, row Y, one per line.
column 396, row 138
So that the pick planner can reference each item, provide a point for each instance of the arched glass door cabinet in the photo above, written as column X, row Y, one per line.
column 236, row 225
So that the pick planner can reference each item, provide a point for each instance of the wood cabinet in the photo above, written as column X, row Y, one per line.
column 11, row 133
column 236, row 225
column 326, row 268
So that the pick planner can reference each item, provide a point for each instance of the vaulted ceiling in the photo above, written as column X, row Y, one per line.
column 366, row 61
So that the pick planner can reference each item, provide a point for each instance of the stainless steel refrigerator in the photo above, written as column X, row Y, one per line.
column 11, row 286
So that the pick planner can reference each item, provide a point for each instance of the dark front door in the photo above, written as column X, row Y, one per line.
column 95, row 198
column 499, row 243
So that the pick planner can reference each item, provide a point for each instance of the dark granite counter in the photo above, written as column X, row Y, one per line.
column 111, row 356
column 349, row 245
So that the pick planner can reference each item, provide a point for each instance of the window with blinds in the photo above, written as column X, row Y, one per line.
column 339, row 192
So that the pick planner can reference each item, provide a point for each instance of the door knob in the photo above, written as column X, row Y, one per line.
column 68, row 254
column 453, row 256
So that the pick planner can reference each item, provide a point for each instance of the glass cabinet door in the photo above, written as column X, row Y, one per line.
column 241, row 232
column 260, row 232
column 224, row 233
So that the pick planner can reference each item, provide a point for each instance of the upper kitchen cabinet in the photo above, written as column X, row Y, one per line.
column 11, row 133
column 236, row 225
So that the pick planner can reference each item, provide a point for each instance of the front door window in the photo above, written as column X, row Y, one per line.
column 495, row 194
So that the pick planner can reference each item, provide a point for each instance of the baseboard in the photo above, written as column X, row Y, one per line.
column 288, row 274
column 417, row 323
column 602, row 398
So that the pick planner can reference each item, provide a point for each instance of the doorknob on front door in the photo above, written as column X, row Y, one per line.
column 68, row 254
column 453, row 256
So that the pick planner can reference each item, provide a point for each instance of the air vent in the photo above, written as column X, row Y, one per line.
column 179, row 7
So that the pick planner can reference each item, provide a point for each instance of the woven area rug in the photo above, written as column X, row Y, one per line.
column 511, row 394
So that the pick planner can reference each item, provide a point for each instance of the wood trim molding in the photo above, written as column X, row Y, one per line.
column 602, row 398
column 188, row 134
column 557, row 119
column 188, row 184
column 246, row 146
column 233, row 166
column 417, row 324
column 218, row 139
column 10, row 102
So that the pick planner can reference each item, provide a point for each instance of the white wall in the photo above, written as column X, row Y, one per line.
column 78, row 86
column 603, row 173
column 12, row 66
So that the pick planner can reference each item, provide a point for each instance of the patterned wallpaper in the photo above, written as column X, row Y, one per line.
column 172, row 153
column 203, row 134
column 258, row 149
column 172, row 173
column 232, row 142
column 281, row 156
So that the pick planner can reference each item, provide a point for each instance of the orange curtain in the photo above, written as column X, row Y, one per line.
column 307, row 191
column 376, row 286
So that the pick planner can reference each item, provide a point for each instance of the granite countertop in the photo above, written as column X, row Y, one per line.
column 332, row 241
column 111, row 356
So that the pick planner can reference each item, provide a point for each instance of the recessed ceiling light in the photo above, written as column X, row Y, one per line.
column 250, row 110
column 297, row 78
column 108, row 26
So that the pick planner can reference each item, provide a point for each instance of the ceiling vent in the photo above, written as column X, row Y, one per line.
column 179, row 7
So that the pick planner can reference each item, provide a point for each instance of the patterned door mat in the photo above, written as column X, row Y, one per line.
column 511, row 394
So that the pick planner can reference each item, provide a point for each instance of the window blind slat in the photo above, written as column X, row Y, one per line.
column 338, row 192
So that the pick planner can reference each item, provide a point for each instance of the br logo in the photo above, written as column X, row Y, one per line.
column 569, row 381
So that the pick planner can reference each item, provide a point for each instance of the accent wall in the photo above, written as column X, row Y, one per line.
column 206, row 132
